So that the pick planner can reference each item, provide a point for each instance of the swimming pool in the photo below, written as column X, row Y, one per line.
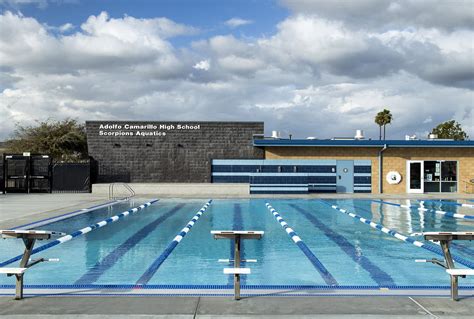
column 135, row 251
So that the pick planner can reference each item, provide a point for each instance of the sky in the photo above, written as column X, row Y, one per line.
column 305, row 67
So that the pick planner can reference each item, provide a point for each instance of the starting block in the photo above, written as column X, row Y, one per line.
column 237, row 236
column 29, row 238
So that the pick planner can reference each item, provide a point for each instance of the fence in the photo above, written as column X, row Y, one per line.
column 36, row 173
column 71, row 178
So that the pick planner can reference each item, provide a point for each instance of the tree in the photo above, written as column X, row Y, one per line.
column 64, row 140
column 382, row 119
column 450, row 129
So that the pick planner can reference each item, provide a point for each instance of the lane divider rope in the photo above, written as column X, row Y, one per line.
column 150, row 272
column 82, row 231
column 442, row 202
column 399, row 236
column 325, row 274
column 424, row 209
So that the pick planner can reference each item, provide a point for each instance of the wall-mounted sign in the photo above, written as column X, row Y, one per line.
column 130, row 129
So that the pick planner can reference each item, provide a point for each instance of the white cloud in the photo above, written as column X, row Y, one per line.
column 383, row 14
column 39, row 3
column 237, row 22
column 203, row 65
column 66, row 27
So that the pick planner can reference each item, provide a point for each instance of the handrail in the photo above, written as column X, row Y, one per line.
column 126, row 186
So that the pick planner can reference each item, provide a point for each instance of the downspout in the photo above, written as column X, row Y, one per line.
column 381, row 168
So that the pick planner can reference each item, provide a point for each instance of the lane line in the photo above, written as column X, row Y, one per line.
column 382, row 278
column 423, row 209
column 318, row 265
column 399, row 236
column 150, row 272
column 82, row 231
column 93, row 274
column 442, row 202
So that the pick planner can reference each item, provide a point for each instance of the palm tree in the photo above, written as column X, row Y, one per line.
column 379, row 122
column 382, row 119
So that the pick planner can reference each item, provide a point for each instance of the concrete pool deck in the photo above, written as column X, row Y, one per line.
column 18, row 209
column 225, row 307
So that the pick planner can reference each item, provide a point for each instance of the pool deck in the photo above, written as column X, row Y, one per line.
column 17, row 209
column 225, row 307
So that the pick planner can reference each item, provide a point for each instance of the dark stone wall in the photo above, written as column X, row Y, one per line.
column 164, row 153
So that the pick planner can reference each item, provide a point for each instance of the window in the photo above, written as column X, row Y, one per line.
column 440, row 176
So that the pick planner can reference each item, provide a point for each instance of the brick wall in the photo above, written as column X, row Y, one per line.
column 172, row 155
column 394, row 160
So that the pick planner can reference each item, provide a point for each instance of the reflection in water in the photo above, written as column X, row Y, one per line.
column 392, row 217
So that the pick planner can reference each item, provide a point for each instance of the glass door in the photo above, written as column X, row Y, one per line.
column 415, row 177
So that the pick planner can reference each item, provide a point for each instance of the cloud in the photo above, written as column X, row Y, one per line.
column 104, row 43
column 237, row 22
column 16, row 3
column 42, row 4
column 330, row 46
column 314, row 76
column 203, row 65
column 66, row 27
column 383, row 14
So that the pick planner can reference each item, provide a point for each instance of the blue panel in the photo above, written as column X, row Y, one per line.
column 288, row 169
column 289, row 189
column 237, row 162
column 230, row 179
column 278, row 192
column 322, row 179
column 279, row 180
column 362, row 179
column 245, row 168
column 317, row 169
column 362, row 169
column 270, row 169
column 362, row 163
column 235, row 168
column 221, row 168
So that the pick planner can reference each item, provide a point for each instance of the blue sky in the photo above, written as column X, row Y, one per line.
column 207, row 15
column 306, row 67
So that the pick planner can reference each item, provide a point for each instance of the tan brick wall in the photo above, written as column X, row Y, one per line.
column 394, row 160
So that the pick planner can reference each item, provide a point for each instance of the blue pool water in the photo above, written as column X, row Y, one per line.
column 353, row 253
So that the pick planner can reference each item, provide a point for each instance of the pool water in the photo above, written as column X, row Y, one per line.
column 352, row 252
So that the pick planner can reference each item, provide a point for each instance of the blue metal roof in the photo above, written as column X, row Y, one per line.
column 363, row 143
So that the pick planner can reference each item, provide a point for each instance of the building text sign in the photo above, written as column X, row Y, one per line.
column 149, row 129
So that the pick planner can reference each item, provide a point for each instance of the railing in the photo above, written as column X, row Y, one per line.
column 127, row 187
column 468, row 186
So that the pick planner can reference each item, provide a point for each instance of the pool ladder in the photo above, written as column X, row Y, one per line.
column 127, row 187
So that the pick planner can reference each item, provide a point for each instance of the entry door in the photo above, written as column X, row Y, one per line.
column 345, row 177
column 415, row 177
